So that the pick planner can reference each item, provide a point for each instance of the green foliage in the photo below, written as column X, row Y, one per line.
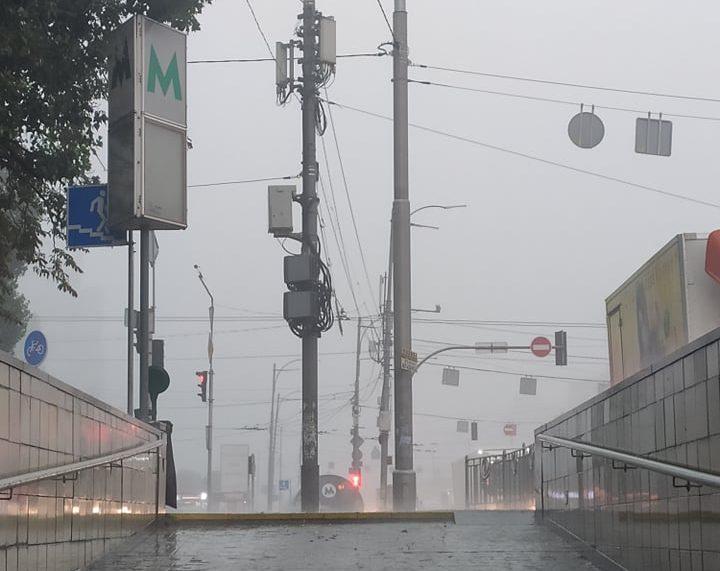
column 14, row 311
column 52, row 77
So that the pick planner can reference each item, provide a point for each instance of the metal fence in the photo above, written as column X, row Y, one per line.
column 501, row 481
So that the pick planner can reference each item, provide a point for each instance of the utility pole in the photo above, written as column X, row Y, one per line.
column 131, row 327
column 404, row 488
column 356, row 463
column 384, row 415
column 144, row 338
column 271, row 443
column 307, row 307
column 310, row 470
column 211, row 375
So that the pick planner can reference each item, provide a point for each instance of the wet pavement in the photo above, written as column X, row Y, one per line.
column 478, row 540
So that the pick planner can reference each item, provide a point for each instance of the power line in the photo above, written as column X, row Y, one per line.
column 267, row 59
column 244, row 181
column 516, row 323
column 259, row 27
column 350, row 205
column 535, row 158
column 387, row 20
column 557, row 101
column 518, row 374
column 568, row 84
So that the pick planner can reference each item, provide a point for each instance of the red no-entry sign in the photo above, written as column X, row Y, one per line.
column 541, row 346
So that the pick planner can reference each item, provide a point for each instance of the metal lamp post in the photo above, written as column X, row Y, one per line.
column 211, row 375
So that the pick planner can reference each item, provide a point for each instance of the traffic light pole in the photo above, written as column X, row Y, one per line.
column 144, row 339
column 356, row 463
column 404, row 487
column 310, row 470
column 211, row 377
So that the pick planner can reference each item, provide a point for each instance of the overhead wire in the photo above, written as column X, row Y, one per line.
column 244, row 181
column 268, row 59
column 535, row 158
column 350, row 205
column 557, row 101
column 568, row 84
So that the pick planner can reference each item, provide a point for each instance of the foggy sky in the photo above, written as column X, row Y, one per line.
column 536, row 243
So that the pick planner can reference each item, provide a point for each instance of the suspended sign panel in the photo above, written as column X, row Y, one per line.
column 528, row 386
column 147, row 137
column 451, row 377
column 586, row 130
column 463, row 426
column 653, row 137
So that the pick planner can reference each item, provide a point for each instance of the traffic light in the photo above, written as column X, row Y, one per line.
column 473, row 431
column 355, row 478
column 561, row 348
column 202, row 377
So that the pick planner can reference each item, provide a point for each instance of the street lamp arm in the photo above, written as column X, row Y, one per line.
column 443, row 350
column 440, row 206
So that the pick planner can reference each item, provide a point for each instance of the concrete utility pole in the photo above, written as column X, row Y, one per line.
column 356, row 463
column 144, row 338
column 310, row 470
column 384, row 415
column 211, row 375
column 271, row 444
column 404, row 488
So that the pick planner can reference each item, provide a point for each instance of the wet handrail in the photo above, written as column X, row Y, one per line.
column 59, row 471
column 690, row 475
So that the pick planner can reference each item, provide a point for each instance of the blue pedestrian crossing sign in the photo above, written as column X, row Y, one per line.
column 87, row 218
column 284, row 485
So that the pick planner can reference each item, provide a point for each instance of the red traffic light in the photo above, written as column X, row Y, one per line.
column 355, row 478
column 202, row 377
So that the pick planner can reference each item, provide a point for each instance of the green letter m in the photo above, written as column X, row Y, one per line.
column 155, row 73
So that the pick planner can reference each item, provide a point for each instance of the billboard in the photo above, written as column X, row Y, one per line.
column 646, row 316
column 234, row 468
column 147, row 132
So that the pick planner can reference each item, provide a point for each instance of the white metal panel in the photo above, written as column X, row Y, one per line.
column 234, row 468
column 703, row 293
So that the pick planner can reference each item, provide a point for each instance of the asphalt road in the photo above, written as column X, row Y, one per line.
column 478, row 540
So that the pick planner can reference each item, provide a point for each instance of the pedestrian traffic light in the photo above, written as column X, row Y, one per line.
column 561, row 348
column 355, row 477
column 202, row 377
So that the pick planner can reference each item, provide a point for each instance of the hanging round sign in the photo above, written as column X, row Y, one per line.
column 586, row 130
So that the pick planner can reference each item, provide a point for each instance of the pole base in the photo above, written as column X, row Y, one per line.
column 310, row 488
column 404, row 491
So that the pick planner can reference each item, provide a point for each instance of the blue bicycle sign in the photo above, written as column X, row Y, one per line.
column 35, row 348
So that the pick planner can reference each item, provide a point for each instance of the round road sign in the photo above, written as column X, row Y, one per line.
column 541, row 346
column 586, row 130
column 35, row 348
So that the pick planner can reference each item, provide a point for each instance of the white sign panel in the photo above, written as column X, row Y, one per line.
column 234, row 468
column 147, row 139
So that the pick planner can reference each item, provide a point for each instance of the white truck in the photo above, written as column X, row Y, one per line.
column 667, row 303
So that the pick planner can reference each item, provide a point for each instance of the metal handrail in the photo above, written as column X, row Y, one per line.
column 690, row 475
column 58, row 471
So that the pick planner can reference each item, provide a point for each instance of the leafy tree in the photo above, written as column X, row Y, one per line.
column 14, row 311
column 52, row 77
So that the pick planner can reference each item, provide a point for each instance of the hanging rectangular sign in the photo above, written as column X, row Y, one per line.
column 147, row 133
column 653, row 136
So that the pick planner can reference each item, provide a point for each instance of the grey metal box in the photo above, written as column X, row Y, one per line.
column 300, row 305
column 280, row 218
column 327, row 41
column 301, row 268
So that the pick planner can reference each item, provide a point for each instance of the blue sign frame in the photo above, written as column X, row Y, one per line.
column 87, row 218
